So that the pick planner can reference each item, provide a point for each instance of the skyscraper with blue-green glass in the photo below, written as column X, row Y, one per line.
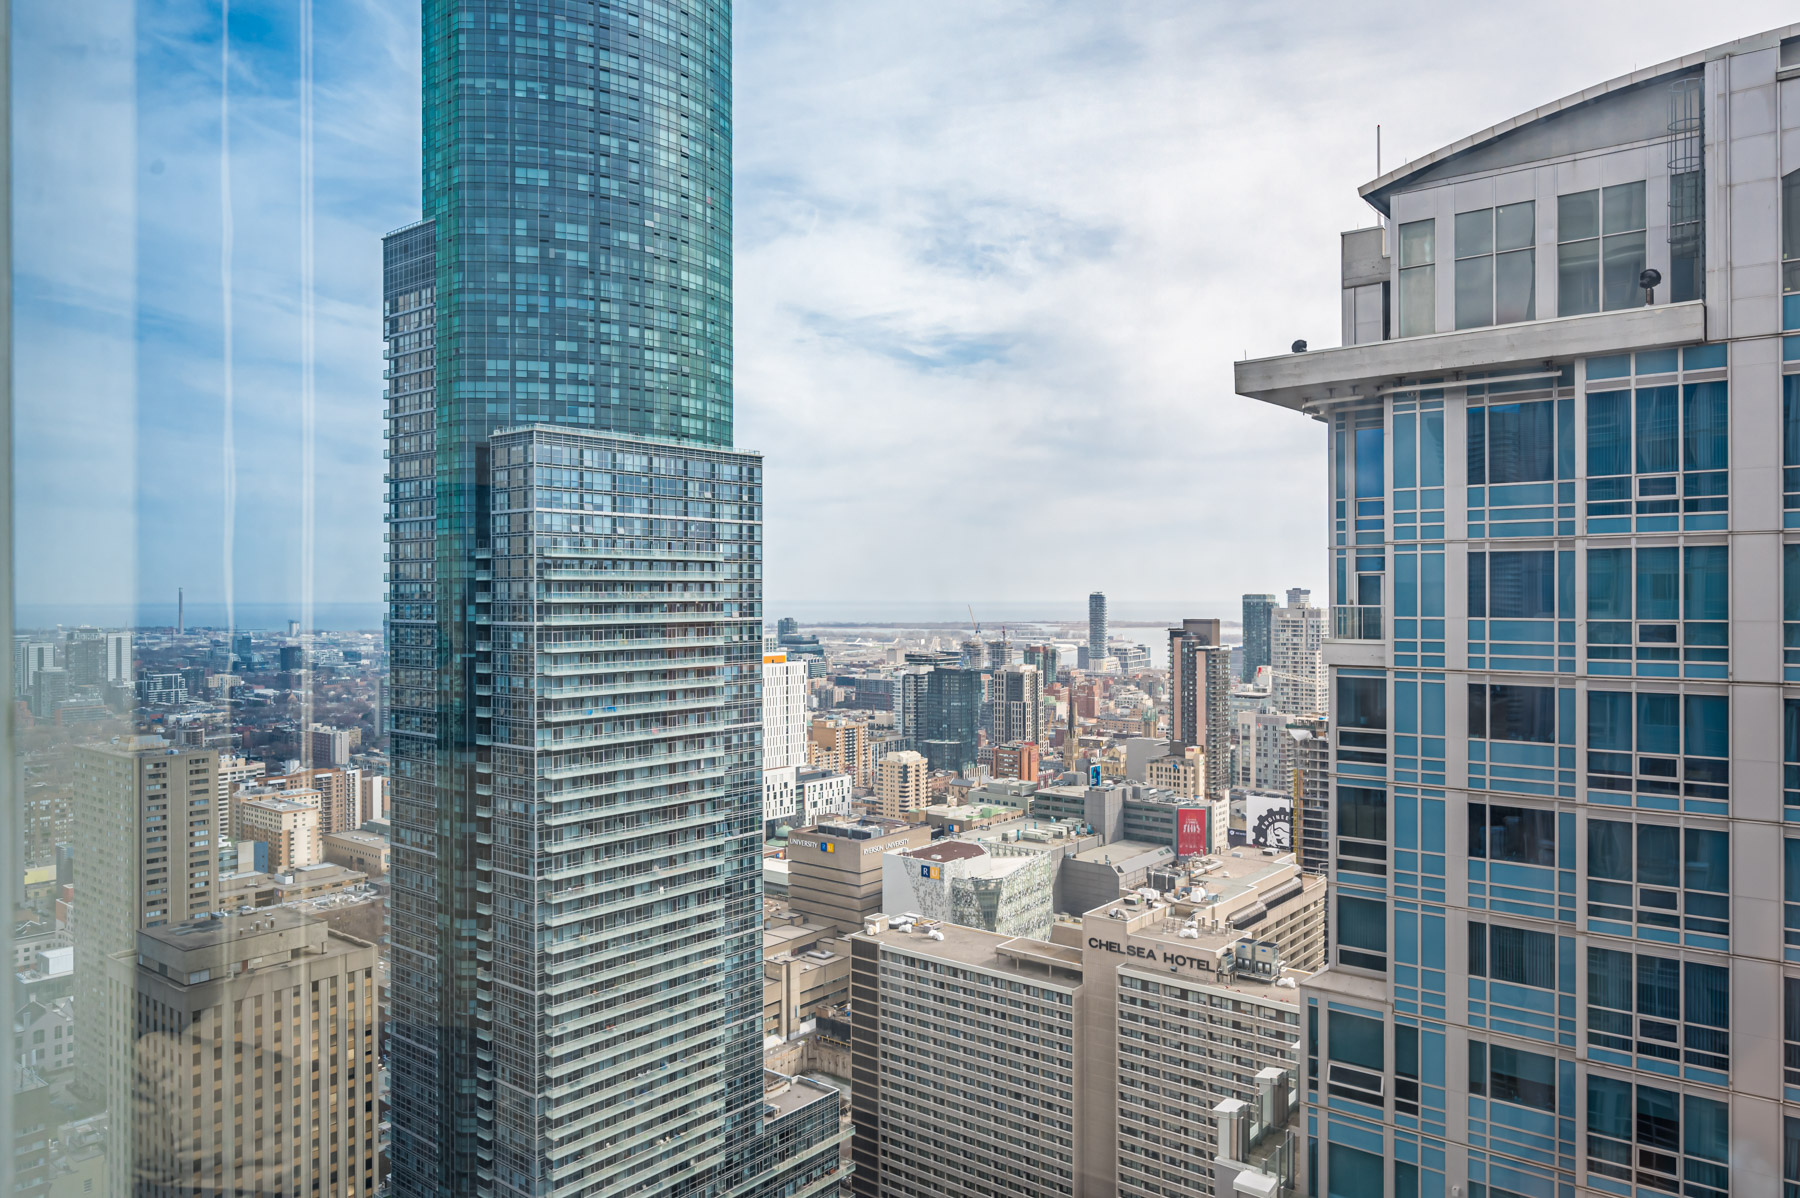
column 574, row 605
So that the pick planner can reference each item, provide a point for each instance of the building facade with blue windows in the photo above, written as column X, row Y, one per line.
column 1563, row 434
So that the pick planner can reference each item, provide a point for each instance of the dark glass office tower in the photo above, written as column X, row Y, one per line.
column 575, row 620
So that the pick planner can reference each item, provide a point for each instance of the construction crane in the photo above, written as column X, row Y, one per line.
column 974, row 621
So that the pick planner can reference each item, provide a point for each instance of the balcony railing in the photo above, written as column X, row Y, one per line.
column 1356, row 623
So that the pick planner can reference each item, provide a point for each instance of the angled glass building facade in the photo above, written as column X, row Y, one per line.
column 574, row 603
column 1563, row 435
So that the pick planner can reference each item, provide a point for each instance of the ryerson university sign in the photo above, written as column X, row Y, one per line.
column 873, row 850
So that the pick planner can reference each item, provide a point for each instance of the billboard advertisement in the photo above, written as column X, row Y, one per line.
column 1269, row 820
column 1192, row 834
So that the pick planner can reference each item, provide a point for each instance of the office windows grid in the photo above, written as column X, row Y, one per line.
column 1520, row 453
column 1660, row 611
column 1522, row 610
column 1522, row 739
column 1663, row 882
column 1790, row 231
column 1419, row 606
column 1520, row 1102
column 1522, row 982
column 1496, row 265
column 1657, row 1139
column 1672, row 750
column 1521, row 861
column 1419, row 466
column 1600, row 249
column 1660, row 1014
column 1790, row 895
column 1657, row 441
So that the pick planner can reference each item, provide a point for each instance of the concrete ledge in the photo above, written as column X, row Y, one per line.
column 1302, row 381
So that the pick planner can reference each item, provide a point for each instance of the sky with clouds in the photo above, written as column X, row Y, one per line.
column 994, row 261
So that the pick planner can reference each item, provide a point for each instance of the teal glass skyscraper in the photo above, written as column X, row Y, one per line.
column 575, row 618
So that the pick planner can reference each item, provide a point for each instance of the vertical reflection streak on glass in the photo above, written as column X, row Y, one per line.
column 228, row 431
column 307, row 376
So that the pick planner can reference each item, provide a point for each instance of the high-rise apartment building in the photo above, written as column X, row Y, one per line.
column 286, row 821
column 784, row 711
column 844, row 746
column 1257, row 650
column 247, row 1059
column 575, row 623
column 1309, row 766
column 900, row 784
column 116, row 664
column 1200, row 699
column 1096, row 642
column 1566, row 732
column 234, row 771
column 146, row 827
column 1016, row 705
column 1297, row 643
column 327, row 747
column 949, row 734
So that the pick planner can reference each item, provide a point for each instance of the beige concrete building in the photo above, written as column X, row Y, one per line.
column 234, row 771
column 251, row 1065
column 289, row 826
column 146, row 827
column 969, row 1048
column 834, row 869
column 364, row 852
column 843, row 746
column 806, row 966
column 900, row 784
column 1182, row 773
column 339, row 793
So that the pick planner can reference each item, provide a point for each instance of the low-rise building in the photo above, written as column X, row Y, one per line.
column 834, row 869
column 806, row 966
column 363, row 852
column 998, row 886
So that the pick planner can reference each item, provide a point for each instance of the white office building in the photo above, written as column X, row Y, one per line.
column 784, row 738
column 1563, row 434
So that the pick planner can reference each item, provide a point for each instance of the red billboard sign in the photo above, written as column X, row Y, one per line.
column 1192, row 835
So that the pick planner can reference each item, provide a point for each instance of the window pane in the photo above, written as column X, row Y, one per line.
column 1659, row 724
column 1578, row 216
column 1477, row 445
column 1659, row 583
column 1370, row 450
column 1790, row 215
column 1362, row 812
column 1609, row 433
column 1609, row 584
column 1362, row 702
column 1515, row 226
column 1418, row 301
column 1523, row 1078
column 1431, row 449
column 1515, row 287
column 1609, row 721
column 1578, row 277
column 1624, row 263
column 1474, row 233
column 1624, row 208
column 1706, row 586
column 1790, row 730
column 1658, row 855
column 1362, row 923
column 1790, row 420
column 1478, row 584
column 1418, row 243
column 1705, row 1129
column 1790, row 1019
column 1406, row 451
column 1609, row 1107
column 1706, row 994
column 1609, row 978
column 1354, row 1173
column 1790, row 583
column 1477, row 949
column 1474, row 292
column 1523, row 957
column 1522, row 586
column 1659, row 987
column 1523, row 835
column 1526, row 713
column 1609, row 850
column 1708, row 860
column 1707, row 725
column 1703, row 438
column 1521, row 442
column 1656, row 429
column 1658, row 1120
